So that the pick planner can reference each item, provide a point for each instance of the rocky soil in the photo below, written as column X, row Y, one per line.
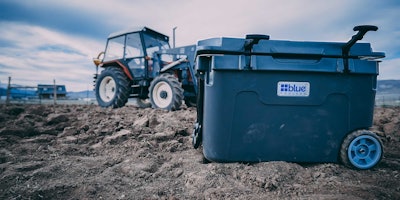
column 87, row 152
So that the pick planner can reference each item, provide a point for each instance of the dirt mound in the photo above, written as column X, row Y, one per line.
column 87, row 152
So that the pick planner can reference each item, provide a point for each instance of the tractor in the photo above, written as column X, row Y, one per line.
column 139, row 63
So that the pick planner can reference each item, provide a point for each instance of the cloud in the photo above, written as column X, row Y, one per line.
column 389, row 69
column 56, row 15
column 39, row 55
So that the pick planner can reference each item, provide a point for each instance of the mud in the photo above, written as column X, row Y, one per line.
column 87, row 152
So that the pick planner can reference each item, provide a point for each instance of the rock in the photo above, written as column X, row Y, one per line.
column 15, row 111
column 56, row 119
column 117, row 137
column 141, row 122
column 70, row 139
column 68, row 131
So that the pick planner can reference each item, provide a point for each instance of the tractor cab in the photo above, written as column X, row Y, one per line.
column 134, row 49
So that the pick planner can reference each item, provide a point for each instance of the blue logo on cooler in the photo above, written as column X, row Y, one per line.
column 293, row 89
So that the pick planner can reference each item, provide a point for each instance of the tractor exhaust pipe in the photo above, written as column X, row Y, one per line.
column 173, row 36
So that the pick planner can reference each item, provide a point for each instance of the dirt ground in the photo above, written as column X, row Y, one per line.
column 87, row 152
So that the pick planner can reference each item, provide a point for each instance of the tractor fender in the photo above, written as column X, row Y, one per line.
column 124, row 68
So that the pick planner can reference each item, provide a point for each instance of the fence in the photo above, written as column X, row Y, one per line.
column 387, row 100
column 32, row 94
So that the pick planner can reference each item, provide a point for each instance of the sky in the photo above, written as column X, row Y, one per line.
column 46, row 40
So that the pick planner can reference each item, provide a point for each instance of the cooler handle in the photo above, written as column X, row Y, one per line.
column 362, row 30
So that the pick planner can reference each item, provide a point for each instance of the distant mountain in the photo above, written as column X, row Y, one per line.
column 388, row 87
column 19, row 93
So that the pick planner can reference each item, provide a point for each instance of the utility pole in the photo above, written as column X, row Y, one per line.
column 55, row 92
column 8, row 90
column 87, row 95
column 173, row 36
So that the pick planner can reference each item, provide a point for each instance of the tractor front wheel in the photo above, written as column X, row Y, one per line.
column 112, row 88
column 166, row 92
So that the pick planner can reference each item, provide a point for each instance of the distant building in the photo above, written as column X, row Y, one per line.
column 47, row 91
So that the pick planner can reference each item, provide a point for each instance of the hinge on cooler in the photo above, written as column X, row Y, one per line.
column 251, row 40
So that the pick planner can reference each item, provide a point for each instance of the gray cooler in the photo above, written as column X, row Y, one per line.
column 264, row 100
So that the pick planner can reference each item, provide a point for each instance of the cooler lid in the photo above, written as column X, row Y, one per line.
column 235, row 54
column 235, row 46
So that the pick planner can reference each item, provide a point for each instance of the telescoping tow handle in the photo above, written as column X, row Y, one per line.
column 362, row 30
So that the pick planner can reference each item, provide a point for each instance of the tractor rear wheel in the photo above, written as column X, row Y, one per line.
column 112, row 88
column 166, row 92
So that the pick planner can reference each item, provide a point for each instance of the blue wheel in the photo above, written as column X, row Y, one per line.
column 361, row 150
